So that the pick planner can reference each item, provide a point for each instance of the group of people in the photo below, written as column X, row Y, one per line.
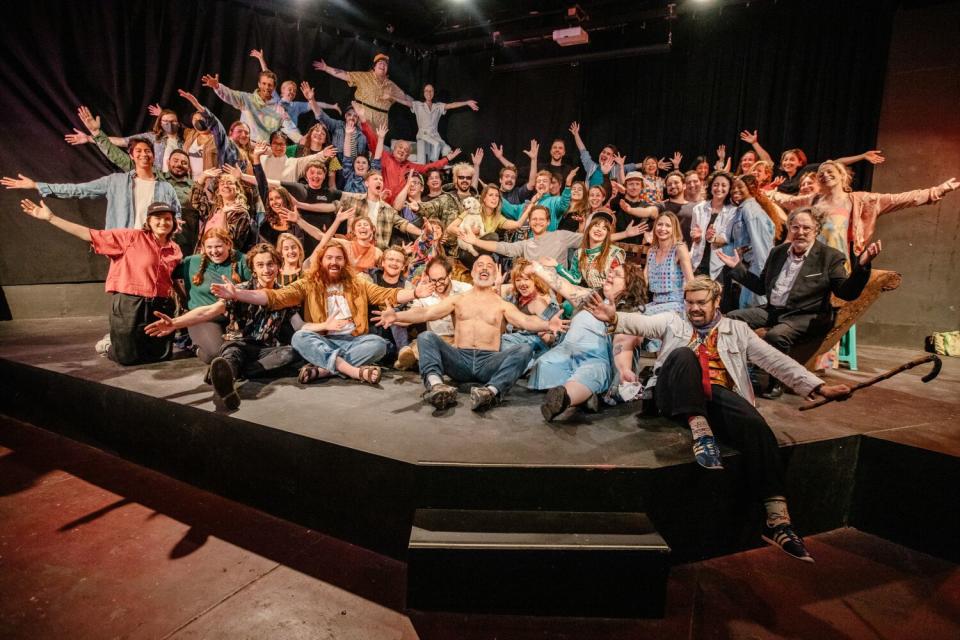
column 321, row 251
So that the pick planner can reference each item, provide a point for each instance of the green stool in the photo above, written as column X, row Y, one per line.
column 848, row 348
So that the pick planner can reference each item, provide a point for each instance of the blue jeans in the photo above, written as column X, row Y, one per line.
column 323, row 350
column 497, row 368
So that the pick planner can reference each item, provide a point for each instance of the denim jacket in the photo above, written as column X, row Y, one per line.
column 117, row 188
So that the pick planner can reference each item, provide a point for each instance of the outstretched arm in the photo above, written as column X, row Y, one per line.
column 167, row 325
column 577, row 295
column 340, row 74
column 750, row 137
column 463, row 103
column 874, row 156
column 42, row 212
column 532, row 153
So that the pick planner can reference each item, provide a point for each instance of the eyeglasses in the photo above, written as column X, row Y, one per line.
column 796, row 228
column 464, row 177
column 430, row 280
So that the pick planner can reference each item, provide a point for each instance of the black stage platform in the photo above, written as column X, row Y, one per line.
column 356, row 461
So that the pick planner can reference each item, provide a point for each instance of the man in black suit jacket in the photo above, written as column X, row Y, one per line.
column 798, row 279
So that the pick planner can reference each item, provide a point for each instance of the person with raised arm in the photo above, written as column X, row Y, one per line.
column 139, row 279
column 250, row 347
column 606, row 167
column 334, row 338
column 385, row 218
column 430, row 146
column 374, row 89
column 396, row 164
column 513, row 192
column 356, row 165
column 476, row 355
column 260, row 110
column 288, row 94
column 221, row 201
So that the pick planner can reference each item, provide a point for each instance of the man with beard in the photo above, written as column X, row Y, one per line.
column 446, row 207
column 693, row 193
column 558, row 164
column 437, row 272
column 251, row 347
column 288, row 93
column 700, row 380
column 260, row 110
column 375, row 90
column 475, row 355
column 334, row 339
column 396, row 164
column 512, row 192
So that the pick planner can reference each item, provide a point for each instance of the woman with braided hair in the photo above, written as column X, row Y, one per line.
column 197, row 272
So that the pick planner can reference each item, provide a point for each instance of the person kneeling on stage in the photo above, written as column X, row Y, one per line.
column 475, row 355
column 334, row 338
column 798, row 279
column 140, row 277
column 250, row 345
column 701, row 380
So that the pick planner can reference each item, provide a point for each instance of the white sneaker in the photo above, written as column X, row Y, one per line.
column 103, row 346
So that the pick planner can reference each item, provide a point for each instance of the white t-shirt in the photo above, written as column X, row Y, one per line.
column 142, row 199
column 443, row 326
column 337, row 308
column 373, row 211
column 196, row 159
column 168, row 149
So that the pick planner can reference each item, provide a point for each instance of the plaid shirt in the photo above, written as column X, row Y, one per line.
column 388, row 219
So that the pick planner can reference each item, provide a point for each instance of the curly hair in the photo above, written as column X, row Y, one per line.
column 634, row 295
column 752, row 184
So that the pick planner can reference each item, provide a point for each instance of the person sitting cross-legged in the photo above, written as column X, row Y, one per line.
column 475, row 355
column 250, row 343
column 700, row 380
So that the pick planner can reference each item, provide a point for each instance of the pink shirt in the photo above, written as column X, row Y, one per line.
column 138, row 265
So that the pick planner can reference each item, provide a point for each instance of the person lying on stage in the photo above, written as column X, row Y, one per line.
column 700, row 380
column 798, row 280
column 579, row 369
column 476, row 355
column 140, row 278
column 250, row 342
column 334, row 338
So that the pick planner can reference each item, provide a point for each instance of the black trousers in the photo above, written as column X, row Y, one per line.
column 129, row 343
column 251, row 359
column 782, row 331
column 679, row 394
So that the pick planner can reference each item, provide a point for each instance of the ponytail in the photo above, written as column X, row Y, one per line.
column 197, row 278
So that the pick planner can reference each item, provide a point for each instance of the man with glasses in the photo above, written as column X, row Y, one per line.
column 797, row 280
column 436, row 273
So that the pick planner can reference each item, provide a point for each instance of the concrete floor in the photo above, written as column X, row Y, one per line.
column 94, row 547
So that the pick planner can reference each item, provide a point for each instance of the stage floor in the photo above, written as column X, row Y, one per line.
column 391, row 421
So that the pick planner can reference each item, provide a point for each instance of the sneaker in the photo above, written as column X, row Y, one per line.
column 783, row 536
column 441, row 396
column 555, row 403
column 406, row 359
column 221, row 375
column 103, row 346
column 481, row 398
column 707, row 453
column 774, row 392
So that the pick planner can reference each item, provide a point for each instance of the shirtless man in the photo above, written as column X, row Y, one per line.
column 475, row 355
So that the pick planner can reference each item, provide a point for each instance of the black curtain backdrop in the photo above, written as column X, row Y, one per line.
column 806, row 74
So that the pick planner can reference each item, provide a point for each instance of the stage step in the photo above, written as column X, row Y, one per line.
column 585, row 564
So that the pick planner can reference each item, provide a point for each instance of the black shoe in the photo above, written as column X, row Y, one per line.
column 441, row 396
column 482, row 398
column 555, row 403
column 774, row 392
column 221, row 375
column 783, row 536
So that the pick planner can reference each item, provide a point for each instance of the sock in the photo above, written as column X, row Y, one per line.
column 433, row 380
column 777, row 513
column 699, row 427
column 493, row 388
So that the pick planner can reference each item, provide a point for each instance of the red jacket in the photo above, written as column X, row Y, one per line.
column 395, row 172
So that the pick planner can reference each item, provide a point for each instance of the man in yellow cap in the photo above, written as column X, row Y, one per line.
column 375, row 90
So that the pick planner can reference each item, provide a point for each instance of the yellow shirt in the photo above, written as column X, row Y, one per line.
column 359, row 293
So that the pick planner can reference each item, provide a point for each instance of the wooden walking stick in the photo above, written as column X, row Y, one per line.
column 885, row 376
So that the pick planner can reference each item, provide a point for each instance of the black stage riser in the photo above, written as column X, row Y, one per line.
column 369, row 499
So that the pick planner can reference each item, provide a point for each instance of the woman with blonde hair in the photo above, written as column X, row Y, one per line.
column 221, row 202
column 291, row 254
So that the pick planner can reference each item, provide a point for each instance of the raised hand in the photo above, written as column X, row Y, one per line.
column 359, row 110
column 625, row 206
column 571, row 175
column 575, row 129
column 874, row 157
column 603, row 311
column 663, row 164
column 77, row 137
column 496, row 150
column 677, row 158
column 211, row 81
column 730, row 261
column 533, row 151
column 162, row 327
column 154, row 110
column 281, row 112
column 472, row 104
column 308, row 91
column 320, row 65
column 477, row 157
column 233, row 170
column 224, row 290
column 606, row 166
column 213, row 172
column 345, row 214
column 620, row 159
column 776, row 182
column 382, row 131
column 336, row 107
column 750, row 137
column 20, row 182
column 89, row 121
column 634, row 228
column 289, row 215
column 722, row 152
column 260, row 148
column 616, row 187
column 39, row 211
column 257, row 53
column 425, row 288
column 192, row 99
column 871, row 252
column 950, row 185
column 453, row 154
column 328, row 151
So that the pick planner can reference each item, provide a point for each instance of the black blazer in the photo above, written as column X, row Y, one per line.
column 823, row 272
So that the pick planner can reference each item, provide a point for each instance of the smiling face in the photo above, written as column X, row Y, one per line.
column 428, row 92
column 278, row 146
column 595, row 198
column 381, row 68
column 393, row 262
column 615, row 283
column 434, row 181
column 557, row 150
column 240, row 133
column 142, row 154
column 803, row 229
column 291, row 252
column 216, row 250
column 438, row 275
column 554, row 186
column 363, row 230
column 790, row 162
column 227, row 188
column 539, row 220
column 275, row 200
column 161, row 225
column 634, row 188
column 315, row 175
column 809, row 186
column 288, row 91
column 606, row 155
column 701, row 307
column 576, row 192
column 179, row 165
column 650, row 166
column 674, row 186
column 374, row 184
column 542, row 183
column 265, row 87
column 463, row 180
column 333, row 262
column 762, row 172
column 598, row 232
column 663, row 229
column 401, row 151
column 829, row 177
column 484, row 272
column 740, row 192
column 318, row 137
column 746, row 161
column 508, row 179
column 361, row 165
column 692, row 185
column 719, row 188
column 265, row 268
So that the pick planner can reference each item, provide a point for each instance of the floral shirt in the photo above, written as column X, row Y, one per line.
column 253, row 323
